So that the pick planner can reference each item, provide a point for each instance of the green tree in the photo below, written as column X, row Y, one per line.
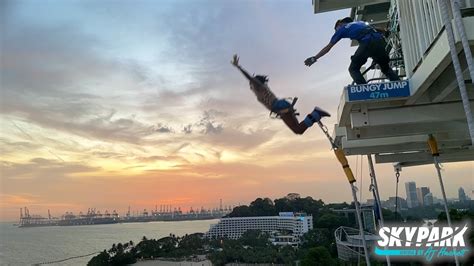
column 240, row 211
column 167, row 245
column 331, row 221
column 286, row 255
column 191, row 244
column 254, row 238
column 318, row 256
column 317, row 237
column 284, row 205
column 100, row 260
column 147, row 249
column 263, row 207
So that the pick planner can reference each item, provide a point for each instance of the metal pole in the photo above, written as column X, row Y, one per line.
column 396, row 200
column 457, row 68
column 434, row 151
column 397, row 167
column 377, row 195
column 445, row 202
column 359, row 219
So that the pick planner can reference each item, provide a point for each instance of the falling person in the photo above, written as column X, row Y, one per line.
column 283, row 108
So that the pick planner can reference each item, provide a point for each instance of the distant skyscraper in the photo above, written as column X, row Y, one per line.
column 412, row 199
column 421, row 192
column 462, row 195
column 428, row 200
column 392, row 201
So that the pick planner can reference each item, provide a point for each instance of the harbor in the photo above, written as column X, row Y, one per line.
column 95, row 217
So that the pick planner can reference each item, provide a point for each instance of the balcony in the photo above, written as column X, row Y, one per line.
column 396, row 127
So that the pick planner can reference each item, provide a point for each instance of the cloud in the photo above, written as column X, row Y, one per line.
column 162, row 128
column 157, row 158
column 223, row 132
column 208, row 123
column 44, row 169
column 108, row 155
column 42, row 60
column 188, row 129
column 10, row 146
column 18, row 199
column 63, row 81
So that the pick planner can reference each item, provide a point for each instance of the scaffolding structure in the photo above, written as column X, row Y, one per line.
column 431, row 121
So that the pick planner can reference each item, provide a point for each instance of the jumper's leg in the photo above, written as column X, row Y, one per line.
column 289, row 118
column 315, row 116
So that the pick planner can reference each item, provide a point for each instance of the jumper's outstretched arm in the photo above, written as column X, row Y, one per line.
column 235, row 62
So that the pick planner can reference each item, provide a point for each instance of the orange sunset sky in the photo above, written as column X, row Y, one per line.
column 110, row 104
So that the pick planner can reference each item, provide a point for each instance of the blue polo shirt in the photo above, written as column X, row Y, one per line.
column 355, row 31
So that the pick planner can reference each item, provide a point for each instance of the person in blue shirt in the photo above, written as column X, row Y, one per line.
column 371, row 44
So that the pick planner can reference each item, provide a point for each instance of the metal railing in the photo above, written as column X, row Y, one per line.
column 348, row 243
column 420, row 25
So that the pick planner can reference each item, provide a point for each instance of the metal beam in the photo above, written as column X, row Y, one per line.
column 419, row 158
column 453, row 130
column 321, row 6
column 432, row 113
column 397, row 145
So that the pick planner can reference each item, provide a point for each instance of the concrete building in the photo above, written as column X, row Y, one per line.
column 462, row 195
column 428, row 200
column 412, row 197
column 291, row 226
column 421, row 192
column 392, row 202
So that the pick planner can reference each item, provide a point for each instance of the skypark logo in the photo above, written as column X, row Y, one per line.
column 435, row 243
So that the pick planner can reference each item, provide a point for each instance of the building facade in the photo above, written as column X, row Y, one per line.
column 462, row 195
column 291, row 224
column 428, row 200
column 412, row 197
column 392, row 202
column 421, row 192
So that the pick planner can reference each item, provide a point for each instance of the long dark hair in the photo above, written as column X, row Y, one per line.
column 262, row 78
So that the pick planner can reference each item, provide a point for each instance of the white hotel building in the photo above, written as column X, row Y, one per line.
column 292, row 224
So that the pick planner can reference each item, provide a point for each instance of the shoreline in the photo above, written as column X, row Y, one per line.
column 169, row 262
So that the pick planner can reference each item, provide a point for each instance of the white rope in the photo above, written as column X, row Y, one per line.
column 462, row 34
column 361, row 177
column 359, row 218
column 445, row 202
column 457, row 68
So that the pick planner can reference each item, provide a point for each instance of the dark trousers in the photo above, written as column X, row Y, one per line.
column 374, row 49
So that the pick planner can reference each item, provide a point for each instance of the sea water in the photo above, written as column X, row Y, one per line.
column 27, row 246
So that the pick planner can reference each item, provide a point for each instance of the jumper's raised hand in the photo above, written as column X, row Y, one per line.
column 235, row 60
